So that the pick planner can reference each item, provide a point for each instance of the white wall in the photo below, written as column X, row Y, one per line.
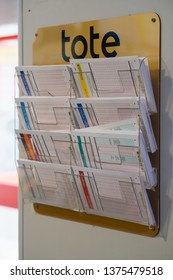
column 8, row 11
column 49, row 238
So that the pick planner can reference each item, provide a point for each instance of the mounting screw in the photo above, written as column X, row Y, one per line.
column 153, row 19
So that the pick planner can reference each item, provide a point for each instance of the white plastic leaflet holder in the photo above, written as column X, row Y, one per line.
column 47, row 146
column 114, row 150
column 54, row 80
column 44, row 113
column 114, row 77
column 48, row 183
column 86, row 136
column 124, row 197
column 83, row 189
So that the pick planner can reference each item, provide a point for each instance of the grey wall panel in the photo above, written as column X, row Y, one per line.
column 49, row 238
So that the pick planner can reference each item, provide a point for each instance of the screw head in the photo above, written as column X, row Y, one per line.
column 153, row 20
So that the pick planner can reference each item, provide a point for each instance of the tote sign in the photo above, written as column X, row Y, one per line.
column 80, row 47
column 121, row 36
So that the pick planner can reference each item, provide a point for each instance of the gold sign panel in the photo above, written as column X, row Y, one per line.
column 137, row 35
column 122, row 36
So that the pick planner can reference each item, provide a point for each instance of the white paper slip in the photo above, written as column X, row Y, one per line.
column 114, row 194
column 106, row 153
column 113, row 77
column 48, row 183
column 44, row 113
column 134, row 124
column 47, row 146
column 54, row 80
column 128, row 125
column 90, row 112
column 99, row 111
column 114, row 150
